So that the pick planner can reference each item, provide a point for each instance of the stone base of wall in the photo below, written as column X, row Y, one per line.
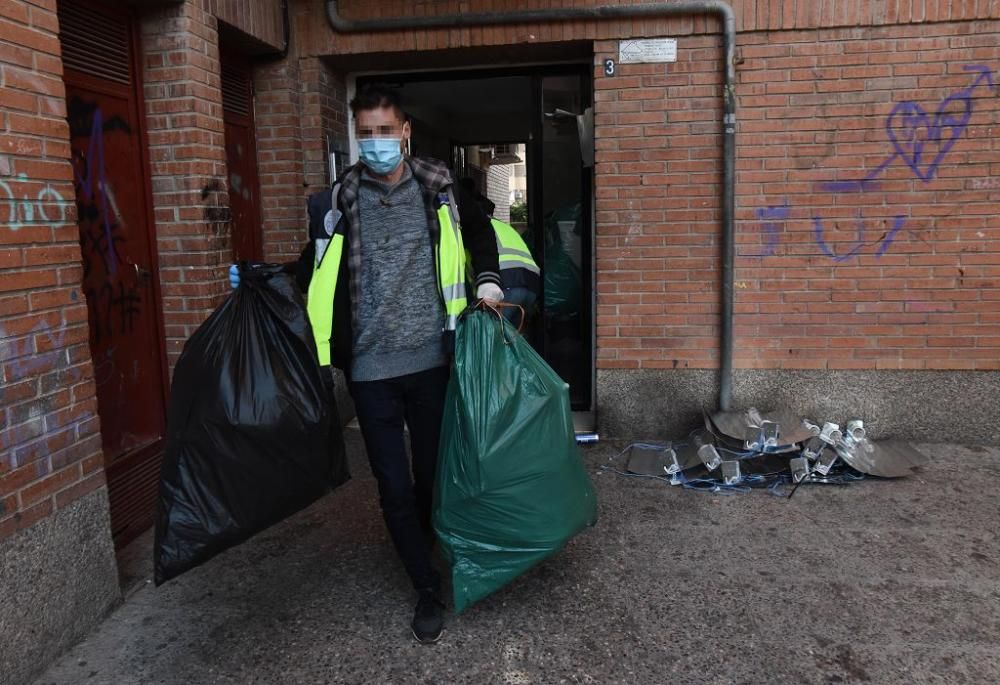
column 924, row 406
column 58, row 579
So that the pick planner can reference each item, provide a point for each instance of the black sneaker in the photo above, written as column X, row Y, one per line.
column 428, row 619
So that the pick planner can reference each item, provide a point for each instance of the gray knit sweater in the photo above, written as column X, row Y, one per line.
column 399, row 311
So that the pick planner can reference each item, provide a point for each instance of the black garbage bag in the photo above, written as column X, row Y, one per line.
column 253, row 434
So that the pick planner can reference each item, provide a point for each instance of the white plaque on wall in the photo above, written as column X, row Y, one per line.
column 647, row 50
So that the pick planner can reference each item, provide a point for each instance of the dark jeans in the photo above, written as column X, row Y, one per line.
column 519, row 296
column 406, row 497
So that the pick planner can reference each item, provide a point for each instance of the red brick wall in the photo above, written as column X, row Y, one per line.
column 751, row 15
column 187, row 165
column 261, row 19
column 324, row 117
column 278, row 115
column 898, row 272
column 50, row 446
column 49, row 431
column 819, row 110
column 658, row 182
column 300, row 105
column 902, row 271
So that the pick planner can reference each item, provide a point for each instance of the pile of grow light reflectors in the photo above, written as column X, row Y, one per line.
column 737, row 451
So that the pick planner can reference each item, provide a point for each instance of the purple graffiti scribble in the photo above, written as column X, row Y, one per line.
column 913, row 133
column 770, row 228
column 884, row 242
column 921, row 141
column 25, row 364
column 842, row 187
column 858, row 244
column 95, row 161
column 985, row 74
column 897, row 225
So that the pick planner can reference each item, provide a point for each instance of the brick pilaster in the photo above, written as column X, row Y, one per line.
column 188, row 164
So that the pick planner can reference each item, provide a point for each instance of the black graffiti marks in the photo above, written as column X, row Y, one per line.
column 96, row 240
column 81, row 114
column 110, row 305
column 213, row 186
column 216, row 199
column 98, row 214
column 126, row 305
column 113, row 294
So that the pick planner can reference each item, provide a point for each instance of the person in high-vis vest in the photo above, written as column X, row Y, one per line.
column 385, row 277
column 520, row 276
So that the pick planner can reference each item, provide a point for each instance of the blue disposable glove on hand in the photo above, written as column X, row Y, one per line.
column 234, row 276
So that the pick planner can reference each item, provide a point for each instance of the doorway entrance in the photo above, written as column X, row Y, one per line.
column 523, row 138
column 120, row 283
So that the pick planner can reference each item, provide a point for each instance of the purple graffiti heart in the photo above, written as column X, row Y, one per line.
column 916, row 137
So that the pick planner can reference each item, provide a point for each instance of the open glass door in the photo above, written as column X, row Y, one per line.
column 561, row 210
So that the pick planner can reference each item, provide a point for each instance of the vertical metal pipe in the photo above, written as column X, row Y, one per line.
column 716, row 7
column 728, row 218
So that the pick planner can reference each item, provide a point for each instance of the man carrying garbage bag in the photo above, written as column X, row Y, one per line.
column 385, row 275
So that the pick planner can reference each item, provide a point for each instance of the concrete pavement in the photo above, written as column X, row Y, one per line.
column 877, row 582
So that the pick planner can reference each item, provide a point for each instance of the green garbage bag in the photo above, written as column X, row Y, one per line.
column 511, row 488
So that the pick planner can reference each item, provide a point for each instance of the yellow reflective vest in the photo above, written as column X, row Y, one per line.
column 514, row 253
column 449, row 264
column 517, row 266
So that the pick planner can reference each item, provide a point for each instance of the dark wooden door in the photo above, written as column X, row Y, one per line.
column 241, row 157
column 117, row 243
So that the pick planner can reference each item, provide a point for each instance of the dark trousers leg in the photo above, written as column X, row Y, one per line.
column 424, row 412
column 382, row 407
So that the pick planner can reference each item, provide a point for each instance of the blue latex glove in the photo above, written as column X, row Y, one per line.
column 234, row 276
